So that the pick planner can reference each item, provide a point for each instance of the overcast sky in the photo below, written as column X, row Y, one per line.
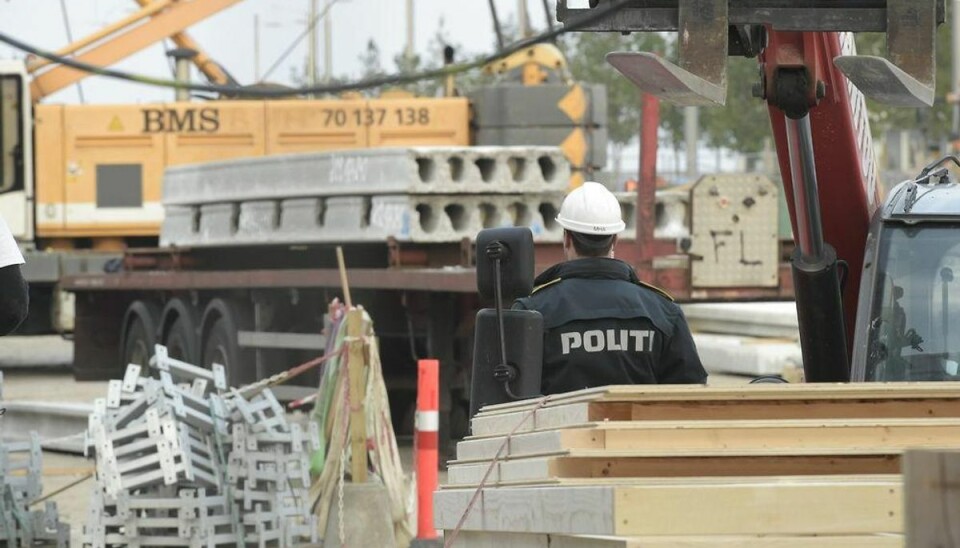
column 228, row 36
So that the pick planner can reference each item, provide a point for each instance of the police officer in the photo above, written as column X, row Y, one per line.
column 602, row 325
column 14, row 299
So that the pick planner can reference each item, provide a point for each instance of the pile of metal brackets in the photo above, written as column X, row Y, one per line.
column 182, row 460
column 20, row 481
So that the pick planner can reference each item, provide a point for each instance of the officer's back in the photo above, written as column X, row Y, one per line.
column 14, row 296
column 602, row 326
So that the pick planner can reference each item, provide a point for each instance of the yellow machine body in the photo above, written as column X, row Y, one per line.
column 84, row 153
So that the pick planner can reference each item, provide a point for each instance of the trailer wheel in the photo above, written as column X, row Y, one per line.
column 178, row 341
column 222, row 321
column 180, row 333
column 139, row 333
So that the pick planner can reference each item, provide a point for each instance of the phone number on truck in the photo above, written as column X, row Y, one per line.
column 407, row 116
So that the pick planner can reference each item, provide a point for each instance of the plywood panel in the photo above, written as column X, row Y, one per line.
column 734, row 509
column 760, row 509
column 683, row 436
column 583, row 465
column 490, row 539
column 747, row 392
column 618, row 482
column 582, row 413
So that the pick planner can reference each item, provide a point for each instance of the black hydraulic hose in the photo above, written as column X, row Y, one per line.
column 498, row 291
column 843, row 267
column 390, row 80
column 507, row 370
column 820, row 317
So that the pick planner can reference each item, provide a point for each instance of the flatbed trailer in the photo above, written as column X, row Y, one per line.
column 260, row 310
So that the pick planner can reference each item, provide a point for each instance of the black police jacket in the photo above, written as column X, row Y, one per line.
column 603, row 326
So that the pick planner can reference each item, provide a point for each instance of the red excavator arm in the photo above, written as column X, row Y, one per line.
column 842, row 146
column 812, row 81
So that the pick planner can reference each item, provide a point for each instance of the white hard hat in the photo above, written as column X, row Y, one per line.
column 591, row 209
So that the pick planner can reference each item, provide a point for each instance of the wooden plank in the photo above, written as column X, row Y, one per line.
column 932, row 496
column 494, row 539
column 798, row 409
column 580, row 465
column 832, row 434
column 697, row 480
column 769, row 509
column 746, row 392
column 753, row 509
column 356, row 368
column 580, row 414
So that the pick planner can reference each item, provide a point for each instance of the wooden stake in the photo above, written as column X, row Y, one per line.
column 343, row 278
column 357, row 372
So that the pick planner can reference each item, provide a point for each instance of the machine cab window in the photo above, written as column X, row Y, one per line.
column 11, row 133
column 914, row 332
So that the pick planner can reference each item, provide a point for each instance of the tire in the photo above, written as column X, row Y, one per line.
column 140, row 333
column 220, row 343
column 221, row 347
column 180, row 333
column 180, row 342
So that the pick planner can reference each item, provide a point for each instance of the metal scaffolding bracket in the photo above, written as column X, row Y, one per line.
column 20, row 485
column 185, row 372
column 180, row 465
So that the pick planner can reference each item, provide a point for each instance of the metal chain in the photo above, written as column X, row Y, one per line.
column 343, row 459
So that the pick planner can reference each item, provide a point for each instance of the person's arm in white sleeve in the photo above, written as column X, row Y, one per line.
column 14, row 293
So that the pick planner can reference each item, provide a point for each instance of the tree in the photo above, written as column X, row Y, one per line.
column 431, row 61
column 936, row 122
column 370, row 61
column 585, row 56
column 744, row 123
column 371, row 67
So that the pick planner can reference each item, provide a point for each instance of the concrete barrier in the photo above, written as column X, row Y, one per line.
column 427, row 194
column 426, row 170
column 413, row 218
